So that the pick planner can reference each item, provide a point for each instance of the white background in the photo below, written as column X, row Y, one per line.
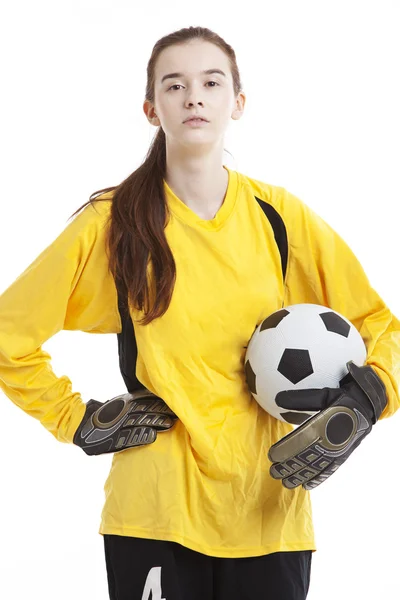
column 321, row 120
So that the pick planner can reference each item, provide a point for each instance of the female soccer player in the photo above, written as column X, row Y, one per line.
column 182, row 261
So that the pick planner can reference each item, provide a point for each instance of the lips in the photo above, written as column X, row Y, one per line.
column 195, row 119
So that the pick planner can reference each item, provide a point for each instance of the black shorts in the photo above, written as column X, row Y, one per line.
column 142, row 569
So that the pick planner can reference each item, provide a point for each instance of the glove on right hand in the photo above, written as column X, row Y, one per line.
column 123, row 422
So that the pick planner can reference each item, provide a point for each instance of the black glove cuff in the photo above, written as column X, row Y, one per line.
column 372, row 386
column 91, row 407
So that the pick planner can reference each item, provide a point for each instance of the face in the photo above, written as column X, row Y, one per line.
column 209, row 95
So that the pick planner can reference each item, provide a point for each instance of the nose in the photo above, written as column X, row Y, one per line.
column 189, row 103
column 193, row 97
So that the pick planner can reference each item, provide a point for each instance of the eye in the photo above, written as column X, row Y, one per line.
column 179, row 85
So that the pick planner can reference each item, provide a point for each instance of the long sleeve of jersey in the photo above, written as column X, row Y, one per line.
column 64, row 288
column 322, row 269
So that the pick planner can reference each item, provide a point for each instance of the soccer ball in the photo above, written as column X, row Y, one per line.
column 298, row 347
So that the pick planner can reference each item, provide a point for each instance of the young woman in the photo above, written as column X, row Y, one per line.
column 182, row 261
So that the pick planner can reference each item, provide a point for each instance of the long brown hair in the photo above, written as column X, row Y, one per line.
column 139, row 211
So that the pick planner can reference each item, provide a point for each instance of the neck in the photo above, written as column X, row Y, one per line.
column 199, row 182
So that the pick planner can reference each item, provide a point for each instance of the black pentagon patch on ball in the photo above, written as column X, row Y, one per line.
column 295, row 418
column 295, row 365
column 250, row 377
column 335, row 323
column 274, row 319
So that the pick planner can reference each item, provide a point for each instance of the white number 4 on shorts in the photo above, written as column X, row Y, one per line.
column 153, row 585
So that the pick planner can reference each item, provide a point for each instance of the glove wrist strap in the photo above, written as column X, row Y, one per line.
column 372, row 386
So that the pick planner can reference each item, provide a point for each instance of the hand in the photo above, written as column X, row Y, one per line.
column 123, row 422
column 310, row 454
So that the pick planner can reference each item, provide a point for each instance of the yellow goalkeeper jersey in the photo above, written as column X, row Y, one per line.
column 204, row 484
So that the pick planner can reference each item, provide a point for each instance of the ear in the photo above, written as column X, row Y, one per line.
column 239, row 106
column 150, row 113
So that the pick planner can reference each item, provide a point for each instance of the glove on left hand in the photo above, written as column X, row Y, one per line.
column 315, row 450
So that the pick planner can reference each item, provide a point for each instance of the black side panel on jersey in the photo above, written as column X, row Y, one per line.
column 279, row 229
column 127, row 348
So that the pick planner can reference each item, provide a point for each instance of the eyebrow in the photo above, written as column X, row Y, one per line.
column 207, row 72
